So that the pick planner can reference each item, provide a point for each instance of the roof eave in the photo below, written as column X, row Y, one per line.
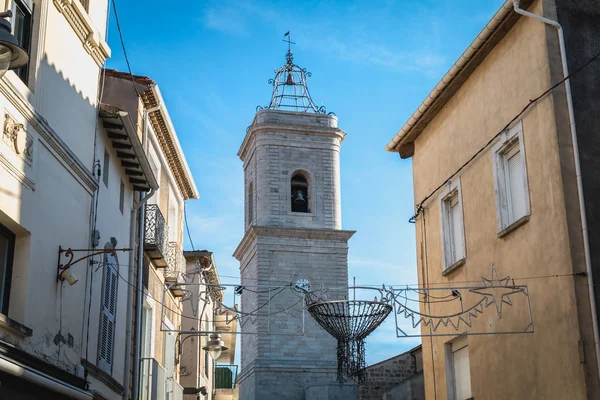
column 455, row 77
column 118, row 119
column 192, row 193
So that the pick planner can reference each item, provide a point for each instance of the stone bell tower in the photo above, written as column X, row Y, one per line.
column 293, row 231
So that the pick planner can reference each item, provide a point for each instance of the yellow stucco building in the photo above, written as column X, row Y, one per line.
column 494, row 184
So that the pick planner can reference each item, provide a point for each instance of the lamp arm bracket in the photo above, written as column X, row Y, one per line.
column 69, row 254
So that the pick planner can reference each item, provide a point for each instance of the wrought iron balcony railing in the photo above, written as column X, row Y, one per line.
column 175, row 262
column 225, row 376
column 155, row 235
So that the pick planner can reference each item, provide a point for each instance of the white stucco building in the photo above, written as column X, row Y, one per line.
column 62, row 185
column 293, row 231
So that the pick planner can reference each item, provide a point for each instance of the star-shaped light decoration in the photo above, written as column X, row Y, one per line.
column 497, row 291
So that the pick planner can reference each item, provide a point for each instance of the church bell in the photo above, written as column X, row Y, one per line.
column 290, row 80
column 300, row 197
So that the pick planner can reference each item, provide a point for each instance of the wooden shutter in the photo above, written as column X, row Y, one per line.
column 462, row 374
column 516, row 184
column 456, row 227
column 454, row 246
column 107, row 317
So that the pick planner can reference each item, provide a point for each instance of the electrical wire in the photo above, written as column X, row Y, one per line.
column 419, row 207
column 187, row 227
column 176, row 312
column 123, row 47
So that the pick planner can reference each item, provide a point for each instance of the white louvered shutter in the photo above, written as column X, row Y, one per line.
column 107, row 319
column 516, row 185
column 462, row 374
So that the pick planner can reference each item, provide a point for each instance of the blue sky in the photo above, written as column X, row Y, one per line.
column 372, row 66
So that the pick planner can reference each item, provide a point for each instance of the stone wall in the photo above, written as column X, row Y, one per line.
column 383, row 376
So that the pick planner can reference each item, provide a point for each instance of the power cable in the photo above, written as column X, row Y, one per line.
column 123, row 47
column 176, row 312
column 531, row 102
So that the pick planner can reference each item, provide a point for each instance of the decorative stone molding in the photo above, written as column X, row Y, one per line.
column 47, row 137
column 17, row 173
column 15, row 135
column 82, row 25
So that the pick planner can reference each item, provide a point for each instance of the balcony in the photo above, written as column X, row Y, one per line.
column 154, row 383
column 155, row 236
column 175, row 267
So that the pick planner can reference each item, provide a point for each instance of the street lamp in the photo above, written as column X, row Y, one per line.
column 12, row 55
column 215, row 346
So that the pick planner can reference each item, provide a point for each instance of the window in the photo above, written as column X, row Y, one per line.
column 459, row 371
column 7, row 251
column 512, row 194
column 250, row 204
column 22, row 29
column 109, row 310
column 105, row 168
column 299, row 193
column 453, row 234
column 122, row 196
column 85, row 4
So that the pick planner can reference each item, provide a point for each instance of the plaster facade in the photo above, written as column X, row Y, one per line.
column 164, row 263
column 48, row 188
column 543, row 251
column 284, row 246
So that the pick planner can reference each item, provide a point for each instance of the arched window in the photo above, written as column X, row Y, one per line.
column 250, row 204
column 299, row 186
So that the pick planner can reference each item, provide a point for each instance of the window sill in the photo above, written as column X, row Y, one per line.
column 82, row 25
column 301, row 214
column 15, row 326
column 513, row 226
column 103, row 377
column 454, row 267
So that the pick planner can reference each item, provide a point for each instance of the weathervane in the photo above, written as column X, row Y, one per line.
column 290, row 91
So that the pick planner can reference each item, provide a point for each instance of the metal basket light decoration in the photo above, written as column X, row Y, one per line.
column 350, row 322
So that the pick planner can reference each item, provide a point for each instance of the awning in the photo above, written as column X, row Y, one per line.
column 121, row 131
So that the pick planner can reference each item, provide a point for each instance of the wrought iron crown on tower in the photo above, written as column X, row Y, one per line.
column 290, row 91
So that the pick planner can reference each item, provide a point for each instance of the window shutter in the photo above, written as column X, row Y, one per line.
column 107, row 321
column 457, row 243
column 516, row 185
column 462, row 374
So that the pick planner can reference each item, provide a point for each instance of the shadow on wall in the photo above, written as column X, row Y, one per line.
column 54, row 212
column 68, row 111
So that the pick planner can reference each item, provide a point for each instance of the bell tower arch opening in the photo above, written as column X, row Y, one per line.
column 300, row 192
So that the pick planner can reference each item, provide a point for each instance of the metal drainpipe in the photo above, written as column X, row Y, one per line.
column 139, row 283
column 582, row 214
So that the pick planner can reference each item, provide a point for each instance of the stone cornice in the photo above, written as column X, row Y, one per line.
column 49, row 138
column 169, row 145
column 296, row 233
column 83, row 27
column 256, row 129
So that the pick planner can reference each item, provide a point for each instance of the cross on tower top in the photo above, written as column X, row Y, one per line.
column 288, row 39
